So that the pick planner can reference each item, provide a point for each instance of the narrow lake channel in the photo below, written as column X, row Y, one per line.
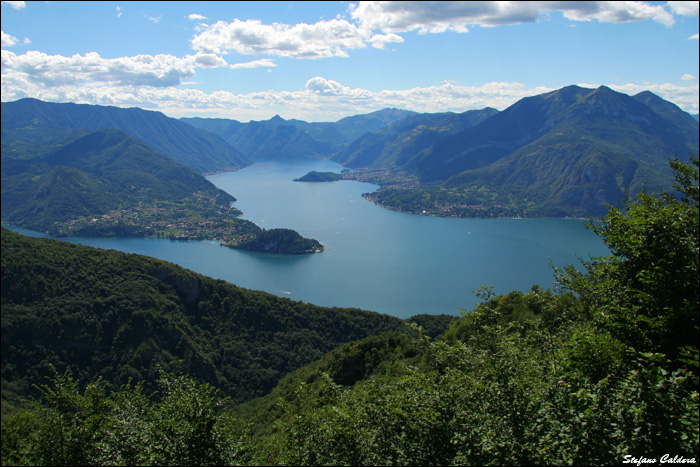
column 375, row 259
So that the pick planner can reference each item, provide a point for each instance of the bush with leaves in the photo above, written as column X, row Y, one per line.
column 646, row 293
column 182, row 424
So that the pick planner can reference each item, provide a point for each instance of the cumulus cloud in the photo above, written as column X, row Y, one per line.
column 436, row 17
column 694, row 37
column 119, row 12
column 321, row 99
column 379, row 40
column 196, row 17
column 322, row 86
column 265, row 62
column 688, row 77
column 251, row 37
column 7, row 40
column 145, row 70
column 15, row 5
column 684, row 8
column 204, row 60
column 379, row 23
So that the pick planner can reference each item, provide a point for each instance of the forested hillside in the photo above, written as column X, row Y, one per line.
column 115, row 316
column 570, row 152
column 601, row 371
column 108, row 183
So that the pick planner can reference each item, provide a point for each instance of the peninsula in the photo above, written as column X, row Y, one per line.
column 109, row 184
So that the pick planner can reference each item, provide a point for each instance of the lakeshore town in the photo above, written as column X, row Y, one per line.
column 195, row 218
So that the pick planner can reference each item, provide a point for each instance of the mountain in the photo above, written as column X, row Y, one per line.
column 108, row 183
column 356, row 125
column 564, row 153
column 93, row 175
column 279, row 139
column 193, row 147
column 262, row 141
column 396, row 143
column 121, row 316
column 685, row 122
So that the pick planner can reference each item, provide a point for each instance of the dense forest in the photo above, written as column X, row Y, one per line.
column 116, row 316
column 601, row 370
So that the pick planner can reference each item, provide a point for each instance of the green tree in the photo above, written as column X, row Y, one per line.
column 646, row 293
column 182, row 424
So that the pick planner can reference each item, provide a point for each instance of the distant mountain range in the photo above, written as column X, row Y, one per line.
column 280, row 139
column 197, row 149
column 569, row 152
column 394, row 145
column 565, row 153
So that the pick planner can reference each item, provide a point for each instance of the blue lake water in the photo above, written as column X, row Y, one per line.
column 375, row 259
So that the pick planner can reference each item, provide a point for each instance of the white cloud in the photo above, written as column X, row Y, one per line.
column 15, row 5
column 265, row 62
column 204, row 60
column 684, row 96
column 325, row 87
column 320, row 40
column 320, row 99
column 436, row 17
column 7, row 40
column 119, row 12
column 694, row 37
column 379, row 40
column 154, row 19
column 688, row 77
column 79, row 70
column 195, row 17
column 684, row 8
column 334, row 38
column 616, row 12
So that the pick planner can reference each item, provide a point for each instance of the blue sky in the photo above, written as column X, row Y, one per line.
column 322, row 61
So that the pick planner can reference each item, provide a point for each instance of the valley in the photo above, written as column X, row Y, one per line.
column 350, row 233
column 278, row 365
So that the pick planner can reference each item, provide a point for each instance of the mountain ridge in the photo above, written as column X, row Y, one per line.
column 200, row 150
column 109, row 183
column 277, row 138
column 569, row 152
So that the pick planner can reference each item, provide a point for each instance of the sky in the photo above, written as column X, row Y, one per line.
column 322, row 61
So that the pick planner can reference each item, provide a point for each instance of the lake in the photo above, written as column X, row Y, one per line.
column 375, row 259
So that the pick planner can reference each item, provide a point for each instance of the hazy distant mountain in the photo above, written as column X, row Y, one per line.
column 280, row 139
column 567, row 152
column 395, row 144
column 193, row 147
column 271, row 140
